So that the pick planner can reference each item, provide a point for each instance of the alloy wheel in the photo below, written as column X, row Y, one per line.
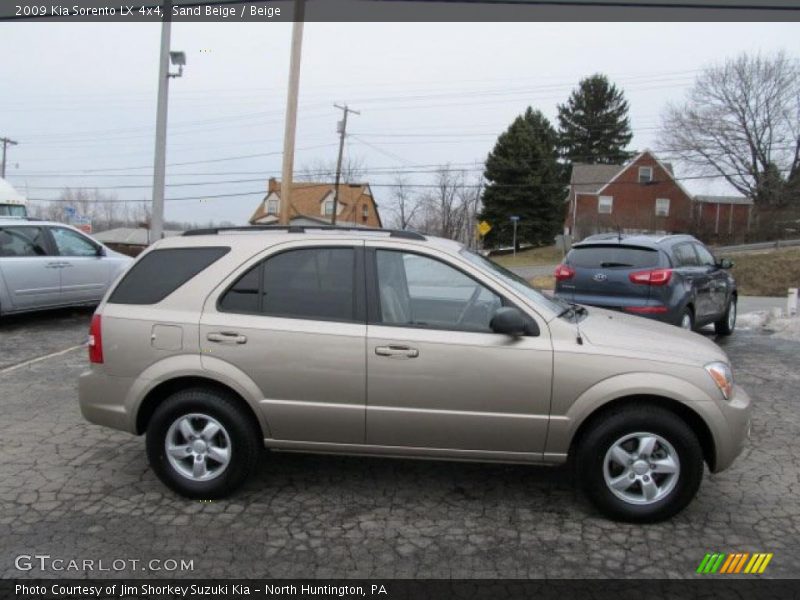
column 641, row 468
column 198, row 447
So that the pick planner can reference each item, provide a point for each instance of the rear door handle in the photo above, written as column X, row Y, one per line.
column 226, row 337
column 397, row 351
column 55, row 265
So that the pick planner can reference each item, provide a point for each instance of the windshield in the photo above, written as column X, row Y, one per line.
column 520, row 284
column 12, row 210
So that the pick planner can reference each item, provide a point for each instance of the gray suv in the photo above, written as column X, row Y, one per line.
column 390, row 343
column 671, row 278
column 49, row 265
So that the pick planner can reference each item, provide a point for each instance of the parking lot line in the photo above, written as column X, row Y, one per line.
column 39, row 359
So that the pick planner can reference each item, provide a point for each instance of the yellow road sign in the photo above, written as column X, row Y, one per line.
column 484, row 228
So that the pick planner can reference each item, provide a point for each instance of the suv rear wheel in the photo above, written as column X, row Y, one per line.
column 687, row 319
column 640, row 464
column 201, row 444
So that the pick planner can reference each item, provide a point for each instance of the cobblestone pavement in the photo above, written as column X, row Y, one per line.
column 76, row 491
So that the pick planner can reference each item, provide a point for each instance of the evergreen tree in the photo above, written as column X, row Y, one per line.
column 524, row 179
column 594, row 127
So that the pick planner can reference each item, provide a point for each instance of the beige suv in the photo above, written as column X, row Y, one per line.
column 223, row 341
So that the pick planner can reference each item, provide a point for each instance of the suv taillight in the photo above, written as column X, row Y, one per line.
column 95, row 341
column 564, row 272
column 654, row 277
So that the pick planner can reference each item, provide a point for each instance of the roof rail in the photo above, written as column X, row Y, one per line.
column 396, row 233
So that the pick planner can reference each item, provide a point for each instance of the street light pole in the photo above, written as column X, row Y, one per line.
column 159, row 166
column 290, row 128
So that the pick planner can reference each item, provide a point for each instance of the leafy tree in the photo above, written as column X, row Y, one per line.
column 594, row 127
column 524, row 179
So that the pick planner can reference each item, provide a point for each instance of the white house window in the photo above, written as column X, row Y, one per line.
column 605, row 205
column 365, row 211
column 272, row 207
column 328, row 207
column 645, row 174
column 662, row 207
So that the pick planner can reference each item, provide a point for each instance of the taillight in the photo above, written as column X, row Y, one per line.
column 654, row 277
column 647, row 310
column 95, row 341
column 563, row 272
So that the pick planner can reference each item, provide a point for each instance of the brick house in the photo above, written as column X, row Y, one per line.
column 312, row 204
column 643, row 196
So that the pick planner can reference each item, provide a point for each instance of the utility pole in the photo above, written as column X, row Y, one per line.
column 6, row 143
column 159, row 166
column 342, row 133
column 291, row 112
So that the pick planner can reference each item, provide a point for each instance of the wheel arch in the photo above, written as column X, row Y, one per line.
column 164, row 389
column 693, row 419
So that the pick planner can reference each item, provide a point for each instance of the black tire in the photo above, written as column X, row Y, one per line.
column 245, row 442
column 724, row 326
column 613, row 426
column 687, row 313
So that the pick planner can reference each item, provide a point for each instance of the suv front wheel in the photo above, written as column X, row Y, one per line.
column 201, row 444
column 640, row 464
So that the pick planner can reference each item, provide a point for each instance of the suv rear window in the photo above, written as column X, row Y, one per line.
column 605, row 257
column 161, row 272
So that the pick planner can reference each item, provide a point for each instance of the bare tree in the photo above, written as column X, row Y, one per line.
column 406, row 204
column 353, row 170
column 741, row 121
column 449, row 209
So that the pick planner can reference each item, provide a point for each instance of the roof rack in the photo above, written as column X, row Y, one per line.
column 395, row 233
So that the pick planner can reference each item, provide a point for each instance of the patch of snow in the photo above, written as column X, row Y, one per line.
column 771, row 322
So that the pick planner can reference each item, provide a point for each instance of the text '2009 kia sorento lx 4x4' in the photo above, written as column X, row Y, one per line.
column 220, row 342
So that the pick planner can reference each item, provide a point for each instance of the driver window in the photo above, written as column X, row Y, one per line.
column 418, row 291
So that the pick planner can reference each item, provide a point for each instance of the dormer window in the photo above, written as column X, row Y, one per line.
column 365, row 211
column 328, row 208
column 272, row 206
column 645, row 174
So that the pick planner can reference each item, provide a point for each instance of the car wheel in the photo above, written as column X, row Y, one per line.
column 687, row 319
column 727, row 323
column 640, row 464
column 201, row 444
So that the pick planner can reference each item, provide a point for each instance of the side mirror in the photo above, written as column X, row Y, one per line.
column 725, row 263
column 510, row 321
column 101, row 251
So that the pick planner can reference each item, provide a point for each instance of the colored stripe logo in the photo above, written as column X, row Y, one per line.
column 734, row 563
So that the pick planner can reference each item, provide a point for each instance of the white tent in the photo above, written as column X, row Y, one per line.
column 8, row 195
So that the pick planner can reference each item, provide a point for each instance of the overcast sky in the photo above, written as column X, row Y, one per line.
column 80, row 98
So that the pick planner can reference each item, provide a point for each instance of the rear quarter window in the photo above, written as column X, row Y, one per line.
column 160, row 272
column 606, row 257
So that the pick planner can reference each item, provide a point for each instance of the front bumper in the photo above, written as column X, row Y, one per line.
column 734, row 432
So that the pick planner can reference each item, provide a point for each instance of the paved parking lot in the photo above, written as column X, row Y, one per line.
column 76, row 491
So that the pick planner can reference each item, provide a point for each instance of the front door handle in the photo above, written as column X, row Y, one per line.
column 55, row 265
column 226, row 337
column 397, row 351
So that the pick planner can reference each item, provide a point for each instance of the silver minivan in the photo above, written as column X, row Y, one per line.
column 48, row 265
column 222, row 342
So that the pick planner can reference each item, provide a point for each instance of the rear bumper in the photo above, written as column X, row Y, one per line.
column 102, row 400
column 642, row 307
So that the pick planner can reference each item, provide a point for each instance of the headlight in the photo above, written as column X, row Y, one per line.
column 723, row 376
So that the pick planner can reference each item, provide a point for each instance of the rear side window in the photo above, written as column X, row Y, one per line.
column 685, row 255
column 161, row 272
column 606, row 257
column 308, row 283
column 22, row 241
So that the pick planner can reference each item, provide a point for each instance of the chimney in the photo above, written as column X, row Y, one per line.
column 273, row 186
